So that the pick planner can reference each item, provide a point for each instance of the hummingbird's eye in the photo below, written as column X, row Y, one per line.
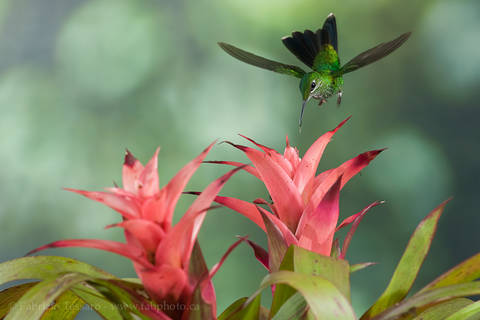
column 313, row 85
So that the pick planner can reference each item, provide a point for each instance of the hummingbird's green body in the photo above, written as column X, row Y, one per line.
column 326, row 79
column 319, row 51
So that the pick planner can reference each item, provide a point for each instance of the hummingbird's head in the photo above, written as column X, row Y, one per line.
column 308, row 85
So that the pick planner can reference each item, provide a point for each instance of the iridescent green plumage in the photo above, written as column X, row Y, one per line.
column 319, row 51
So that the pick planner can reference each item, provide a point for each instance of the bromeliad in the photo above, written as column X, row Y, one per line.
column 319, row 51
column 159, row 251
column 305, row 207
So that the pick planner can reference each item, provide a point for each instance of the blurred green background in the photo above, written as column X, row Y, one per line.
column 80, row 81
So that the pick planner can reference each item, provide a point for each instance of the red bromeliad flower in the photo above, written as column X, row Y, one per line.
column 305, row 206
column 160, row 252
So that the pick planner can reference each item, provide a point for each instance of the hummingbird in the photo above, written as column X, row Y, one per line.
column 319, row 51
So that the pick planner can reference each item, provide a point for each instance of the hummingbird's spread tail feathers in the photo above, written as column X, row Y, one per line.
column 261, row 62
column 374, row 54
column 306, row 46
column 330, row 28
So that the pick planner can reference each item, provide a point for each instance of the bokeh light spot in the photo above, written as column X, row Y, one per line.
column 108, row 47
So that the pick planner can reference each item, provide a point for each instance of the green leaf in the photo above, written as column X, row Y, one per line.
column 136, row 281
column 420, row 300
column 284, row 292
column 294, row 308
column 466, row 312
column 36, row 300
column 231, row 309
column 360, row 266
column 48, row 267
column 409, row 265
column 441, row 310
column 250, row 311
column 239, row 311
column 323, row 298
column 307, row 262
column 122, row 298
column 288, row 262
column 263, row 313
column 129, row 298
column 9, row 296
column 98, row 302
column 66, row 307
column 466, row 271
column 337, row 271
column 43, row 267
column 111, row 300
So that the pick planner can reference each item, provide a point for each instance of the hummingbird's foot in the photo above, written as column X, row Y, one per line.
column 339, row 98
column 322, row 101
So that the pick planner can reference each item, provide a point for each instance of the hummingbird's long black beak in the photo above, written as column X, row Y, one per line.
column 301, row 114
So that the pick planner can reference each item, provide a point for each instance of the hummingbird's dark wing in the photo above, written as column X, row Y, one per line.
column 374, row 54
column 306, row 46
column 260, row 62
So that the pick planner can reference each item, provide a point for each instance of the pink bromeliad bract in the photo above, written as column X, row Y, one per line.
column 305, row 206
column 160, row 252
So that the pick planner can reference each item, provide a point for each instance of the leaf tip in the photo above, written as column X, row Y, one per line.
column 129, row 159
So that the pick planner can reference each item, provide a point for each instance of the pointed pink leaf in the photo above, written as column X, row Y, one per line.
column 352, row 218
column 275, row 156
column 251, row 211
column 178, row 244
column 347, row 170
column 148, row 180
column 261, row 146
column 260, row 253
column 283, row 191
column 197, row 269
column 315, row 231
column 129, row 251
column 164, row 281
column 217, row 266
column 175, row 187
column 291, row 154
column 261, row 201
column 126, row 206
column 132, row 168
column 277, row 244
column 247, row 168
column 148, row 233
column 265, row 202
column 309, row 164
column 154, row 209
column 207, row 196
column 116, row 191
column 358, row 218
column 245, row 208
column 350, row 168
column 203, row 293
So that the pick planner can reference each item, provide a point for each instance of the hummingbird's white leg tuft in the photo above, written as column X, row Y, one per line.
column 339, row 98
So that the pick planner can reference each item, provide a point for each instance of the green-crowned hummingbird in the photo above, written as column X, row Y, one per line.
column 319, row 51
